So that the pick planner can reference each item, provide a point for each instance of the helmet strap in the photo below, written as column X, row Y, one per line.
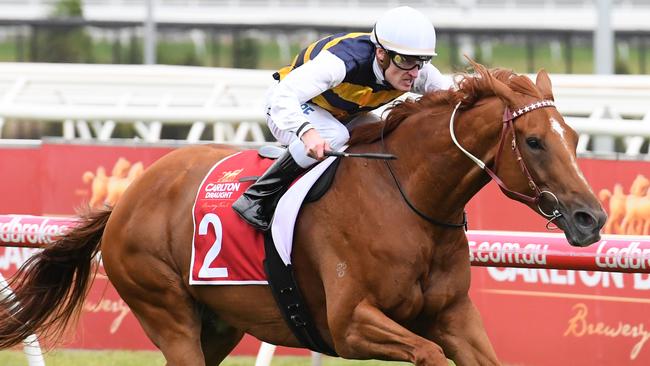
column 385, row 63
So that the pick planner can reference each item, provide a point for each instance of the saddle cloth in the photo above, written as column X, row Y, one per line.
column 225, row 249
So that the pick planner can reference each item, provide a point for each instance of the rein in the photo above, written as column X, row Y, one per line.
column 426, row 217
column 508, row 126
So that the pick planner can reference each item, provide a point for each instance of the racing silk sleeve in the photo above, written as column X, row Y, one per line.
column 431, row 79
column 324, row 72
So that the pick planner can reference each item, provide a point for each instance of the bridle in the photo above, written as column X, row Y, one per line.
column 508, row 126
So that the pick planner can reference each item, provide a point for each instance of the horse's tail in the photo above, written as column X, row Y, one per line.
column 49, row 289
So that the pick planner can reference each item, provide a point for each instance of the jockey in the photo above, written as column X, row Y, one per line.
column 330, row 87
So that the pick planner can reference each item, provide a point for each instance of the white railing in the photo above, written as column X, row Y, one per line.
column 601, row 107
column 90, row 100
column 344, row 3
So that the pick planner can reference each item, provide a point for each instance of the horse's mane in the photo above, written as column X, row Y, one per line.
column 471, row 88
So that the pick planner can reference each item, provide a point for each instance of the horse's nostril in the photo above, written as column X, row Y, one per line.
column 584, row 219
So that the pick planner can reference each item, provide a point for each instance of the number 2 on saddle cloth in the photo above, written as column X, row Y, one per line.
column 228, row 251
column 225, row 249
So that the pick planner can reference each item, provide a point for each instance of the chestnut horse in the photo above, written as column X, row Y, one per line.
column 381, row 278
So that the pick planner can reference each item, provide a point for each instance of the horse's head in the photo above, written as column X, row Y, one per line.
column 544, row 174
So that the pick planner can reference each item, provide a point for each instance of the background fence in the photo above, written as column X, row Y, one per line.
column 151, row 103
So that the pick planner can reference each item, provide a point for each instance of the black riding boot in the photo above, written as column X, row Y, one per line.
column 258, row 203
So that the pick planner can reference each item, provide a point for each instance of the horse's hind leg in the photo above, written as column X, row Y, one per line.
column 173, row 324
column 159, row 299
column 217, row 338
column 186, row 332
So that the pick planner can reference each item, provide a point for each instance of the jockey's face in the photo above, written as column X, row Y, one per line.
column 399, row 78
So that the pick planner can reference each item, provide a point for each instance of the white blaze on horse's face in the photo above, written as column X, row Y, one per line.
column 556, row 127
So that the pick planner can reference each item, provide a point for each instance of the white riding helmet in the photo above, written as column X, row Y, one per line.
column 406, row 31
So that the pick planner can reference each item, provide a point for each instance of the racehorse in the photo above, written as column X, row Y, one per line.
column 382, row 257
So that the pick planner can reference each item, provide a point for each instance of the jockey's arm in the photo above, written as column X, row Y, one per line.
column 324, row 72
column 431, row 79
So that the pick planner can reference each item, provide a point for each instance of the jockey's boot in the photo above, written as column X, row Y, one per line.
column 258, row 203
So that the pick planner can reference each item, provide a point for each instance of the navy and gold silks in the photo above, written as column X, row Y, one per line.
column 359, row 92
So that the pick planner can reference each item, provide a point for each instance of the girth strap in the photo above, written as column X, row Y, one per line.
column 290, row 301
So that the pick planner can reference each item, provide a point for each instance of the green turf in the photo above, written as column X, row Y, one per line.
column 507, row 53
column 150, row 358
column 87, row 358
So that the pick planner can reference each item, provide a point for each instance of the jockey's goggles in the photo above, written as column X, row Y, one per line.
column 403, row 62
column 406, row 63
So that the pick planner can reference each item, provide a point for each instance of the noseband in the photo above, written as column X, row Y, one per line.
column 508, row 125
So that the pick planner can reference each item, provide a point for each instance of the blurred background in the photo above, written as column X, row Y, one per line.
column 559, row 35
column 94, row 91
column 211, row 38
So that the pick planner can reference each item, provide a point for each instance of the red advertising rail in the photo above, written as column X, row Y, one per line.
column 614, row 253
column 32, row 231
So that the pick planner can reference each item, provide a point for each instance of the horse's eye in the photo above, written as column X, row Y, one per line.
column 534, row 143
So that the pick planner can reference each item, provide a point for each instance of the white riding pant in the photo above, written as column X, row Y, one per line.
column 329, row 128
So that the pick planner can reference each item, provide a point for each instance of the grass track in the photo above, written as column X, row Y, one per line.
column 151, row 358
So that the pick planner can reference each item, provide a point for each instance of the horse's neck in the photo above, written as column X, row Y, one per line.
column 435, row 173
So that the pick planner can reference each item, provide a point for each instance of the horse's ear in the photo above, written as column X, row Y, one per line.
column 504, row 92
column 543, row 83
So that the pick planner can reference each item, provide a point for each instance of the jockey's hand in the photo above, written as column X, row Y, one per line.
column 315, row 144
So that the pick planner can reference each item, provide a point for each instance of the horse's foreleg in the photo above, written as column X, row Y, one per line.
column 368, row 333
column 460, row 331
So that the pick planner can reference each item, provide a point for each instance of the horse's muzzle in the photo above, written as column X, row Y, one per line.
column 582, row 226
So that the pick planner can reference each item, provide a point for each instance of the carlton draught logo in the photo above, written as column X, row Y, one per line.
column 31, row 230
column 221, row 190
column 229, row 176
column 224, row 187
